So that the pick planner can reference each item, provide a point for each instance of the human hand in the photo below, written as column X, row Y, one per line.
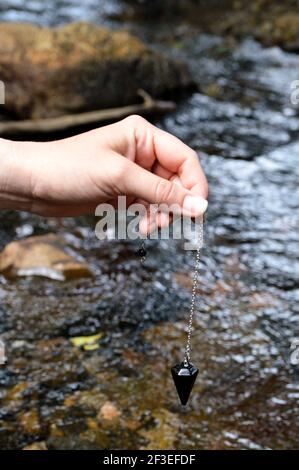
column 72, row 176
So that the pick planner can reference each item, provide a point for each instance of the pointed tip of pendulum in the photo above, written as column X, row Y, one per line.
column 184, row 376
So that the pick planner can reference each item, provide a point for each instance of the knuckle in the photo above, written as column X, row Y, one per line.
column 135, row 120
column 194, row 155
column 164, row 191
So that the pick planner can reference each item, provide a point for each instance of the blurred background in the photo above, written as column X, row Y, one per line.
column 90, row 334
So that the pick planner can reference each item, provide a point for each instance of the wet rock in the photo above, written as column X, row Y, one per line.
column 15, row 394
column 92, row 424
column 163, row 434
column 92, row 399
column 186, row 281
column 36, row 446
column 30, row 422
column 55, row 431
column 286, row 31
column 44, row 255
column 131, row 357
column 108, row 412
column 13, row 400
column 213, row 90
column 79, row 67
column 72, row 442
column 259, row 300
column 133, row 424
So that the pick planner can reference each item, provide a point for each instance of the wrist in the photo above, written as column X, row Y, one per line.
column 14, row 176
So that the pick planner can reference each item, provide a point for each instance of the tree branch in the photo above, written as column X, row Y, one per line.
column 61, row 123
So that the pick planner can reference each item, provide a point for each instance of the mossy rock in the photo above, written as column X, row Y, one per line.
column 80, row 67
column 43, row 255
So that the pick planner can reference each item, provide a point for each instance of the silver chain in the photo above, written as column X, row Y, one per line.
column 187, row 356
column 142, row 247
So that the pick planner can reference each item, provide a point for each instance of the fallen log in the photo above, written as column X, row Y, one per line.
column 62, row 123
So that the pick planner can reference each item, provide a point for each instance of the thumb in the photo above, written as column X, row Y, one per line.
column 143, row 184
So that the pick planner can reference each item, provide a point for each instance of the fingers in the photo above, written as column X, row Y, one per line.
column 166, row 171
column 157, row 147
column 141, row 183
column 151, row 222
column 180, row 159
column 192, row 176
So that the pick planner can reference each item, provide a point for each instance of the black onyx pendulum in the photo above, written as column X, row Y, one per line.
column 184, row 373
column 184, row 376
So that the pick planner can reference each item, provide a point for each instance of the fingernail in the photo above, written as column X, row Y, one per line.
column 195, row 205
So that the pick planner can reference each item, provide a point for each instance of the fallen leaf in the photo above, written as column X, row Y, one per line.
column 88, row 343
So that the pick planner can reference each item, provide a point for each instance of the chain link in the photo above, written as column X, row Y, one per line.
column 142, row 248
column 187, row 356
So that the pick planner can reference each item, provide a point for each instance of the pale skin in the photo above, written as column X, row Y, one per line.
column 132, row 158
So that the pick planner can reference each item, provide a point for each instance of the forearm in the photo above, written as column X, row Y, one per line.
column 14, row 176
column 70, row 177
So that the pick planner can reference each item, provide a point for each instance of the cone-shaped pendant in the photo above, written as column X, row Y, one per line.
column 184, row 376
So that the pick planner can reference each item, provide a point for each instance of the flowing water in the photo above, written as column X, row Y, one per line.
column 246, row 396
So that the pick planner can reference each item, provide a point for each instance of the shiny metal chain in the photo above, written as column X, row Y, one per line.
column 142, row 250
column 187, row 356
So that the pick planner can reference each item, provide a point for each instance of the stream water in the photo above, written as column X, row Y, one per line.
column 246, row 396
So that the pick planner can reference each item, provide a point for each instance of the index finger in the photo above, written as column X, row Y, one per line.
column 178, row 158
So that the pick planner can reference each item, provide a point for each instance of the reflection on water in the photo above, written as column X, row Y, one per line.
column 247, row 391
